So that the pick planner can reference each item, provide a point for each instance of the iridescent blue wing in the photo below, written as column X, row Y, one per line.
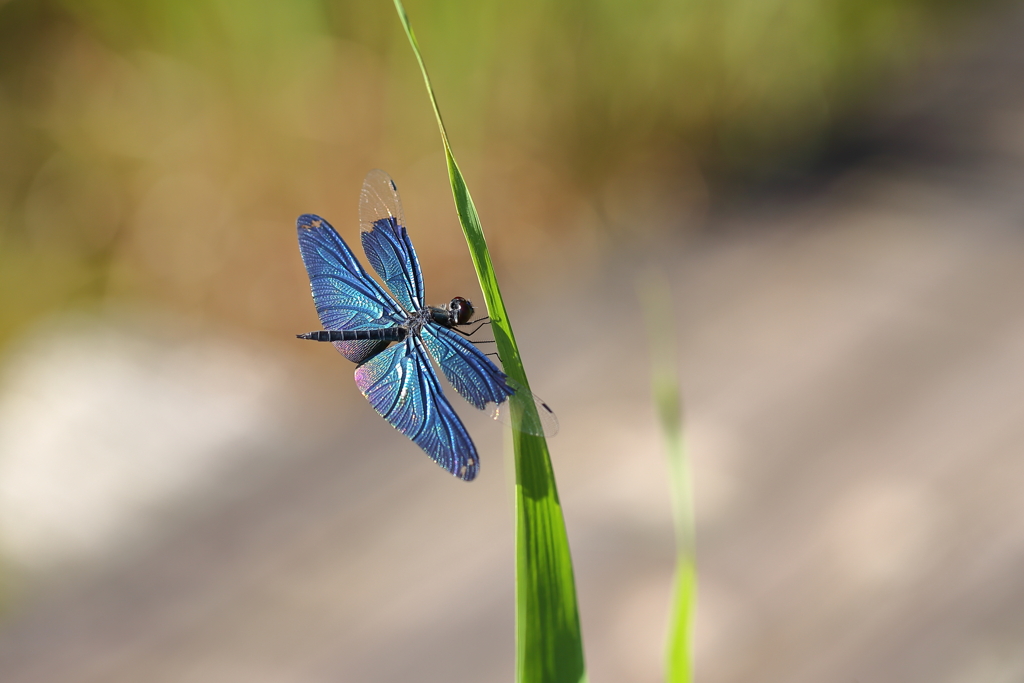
column 480, row 382
column 469, row 370
column 346, row 297
column 401, row 385
column 386, row 241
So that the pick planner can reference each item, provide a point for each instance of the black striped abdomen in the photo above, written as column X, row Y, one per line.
column 379, row 334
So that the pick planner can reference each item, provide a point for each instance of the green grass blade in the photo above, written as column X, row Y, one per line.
column 549, row 648
column 656, row 299
column 679, row 645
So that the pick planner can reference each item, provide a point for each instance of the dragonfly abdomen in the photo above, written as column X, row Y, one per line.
column 379, row 334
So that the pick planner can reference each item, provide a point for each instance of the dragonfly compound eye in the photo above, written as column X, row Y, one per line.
column 461, row 311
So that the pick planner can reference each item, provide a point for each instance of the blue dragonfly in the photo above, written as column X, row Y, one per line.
column 392, row 336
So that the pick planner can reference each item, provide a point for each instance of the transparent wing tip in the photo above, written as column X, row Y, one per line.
column 379, row 200
column 535, row 416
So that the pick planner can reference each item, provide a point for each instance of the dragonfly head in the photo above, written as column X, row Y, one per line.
column 460, row 311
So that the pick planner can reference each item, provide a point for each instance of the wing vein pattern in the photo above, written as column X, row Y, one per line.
column 402, row 387
column 346, row 297
column 386, row 242
column 392, row 256
column 466, row 367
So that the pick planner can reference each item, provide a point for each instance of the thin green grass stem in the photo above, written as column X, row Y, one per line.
column 655, row 295
column 549, row 648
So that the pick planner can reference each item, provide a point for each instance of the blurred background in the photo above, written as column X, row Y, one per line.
column 833, row 189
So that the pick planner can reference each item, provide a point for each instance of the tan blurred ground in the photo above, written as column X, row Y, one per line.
column 853, row 361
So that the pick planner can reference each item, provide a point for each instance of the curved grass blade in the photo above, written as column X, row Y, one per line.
column 654, row 293
column 549, row 648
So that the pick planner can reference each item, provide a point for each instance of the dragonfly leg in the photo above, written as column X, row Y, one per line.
column 482, row 321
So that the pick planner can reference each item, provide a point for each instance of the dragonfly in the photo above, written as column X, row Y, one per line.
column 392, row 335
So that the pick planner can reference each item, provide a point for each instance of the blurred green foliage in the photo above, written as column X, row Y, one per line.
column 158, row 150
